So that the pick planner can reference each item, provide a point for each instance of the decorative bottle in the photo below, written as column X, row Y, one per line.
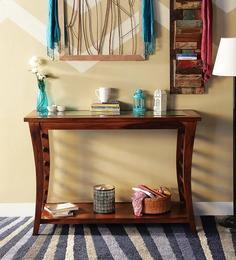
column 160, row 102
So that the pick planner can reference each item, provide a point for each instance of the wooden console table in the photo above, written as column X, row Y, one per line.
column 184, row 121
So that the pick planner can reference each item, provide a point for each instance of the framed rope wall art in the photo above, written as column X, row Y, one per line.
column 101, row 30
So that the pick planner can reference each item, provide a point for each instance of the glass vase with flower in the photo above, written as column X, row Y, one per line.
column 42, row 100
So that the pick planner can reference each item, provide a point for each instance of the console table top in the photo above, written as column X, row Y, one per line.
column 171, row 115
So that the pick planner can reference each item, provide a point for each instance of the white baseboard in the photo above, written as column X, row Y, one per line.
column 16, row 209
column 213, row 208
column 200, row 208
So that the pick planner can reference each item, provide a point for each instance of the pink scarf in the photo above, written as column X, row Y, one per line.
column 206, row 48
column 137, row 202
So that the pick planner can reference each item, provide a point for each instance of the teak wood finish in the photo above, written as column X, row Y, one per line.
column 184, row 121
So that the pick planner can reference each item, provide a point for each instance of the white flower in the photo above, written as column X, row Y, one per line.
column 34, row 70
column 41, row 76
column 35, row 61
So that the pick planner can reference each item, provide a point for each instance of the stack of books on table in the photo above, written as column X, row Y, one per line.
column 61, row 209
column 110, row 107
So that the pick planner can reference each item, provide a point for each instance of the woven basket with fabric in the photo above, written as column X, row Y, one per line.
column 156, row 205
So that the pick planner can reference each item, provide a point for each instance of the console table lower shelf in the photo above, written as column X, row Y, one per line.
column 123, row 215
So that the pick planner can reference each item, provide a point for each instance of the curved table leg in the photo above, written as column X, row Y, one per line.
column 189, row 134
column 38, row 158
column 180, row 163
column 46, row 163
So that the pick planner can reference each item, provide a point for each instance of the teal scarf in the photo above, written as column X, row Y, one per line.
column 53, row 30
column 148, row 26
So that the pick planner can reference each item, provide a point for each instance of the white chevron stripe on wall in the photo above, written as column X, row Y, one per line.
column 162, row 14
column 226, row 5
column 24, row 20
column 2, row 12
column 9, row 9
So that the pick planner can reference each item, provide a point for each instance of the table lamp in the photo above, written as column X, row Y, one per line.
column 225, row 65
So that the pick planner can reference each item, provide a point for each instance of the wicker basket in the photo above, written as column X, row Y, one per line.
column 156, row 205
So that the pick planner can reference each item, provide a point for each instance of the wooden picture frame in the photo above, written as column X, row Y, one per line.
column 67, row 55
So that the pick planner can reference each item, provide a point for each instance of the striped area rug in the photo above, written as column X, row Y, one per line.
column 115, row 241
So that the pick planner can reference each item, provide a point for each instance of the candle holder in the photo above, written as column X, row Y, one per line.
column 139, row 102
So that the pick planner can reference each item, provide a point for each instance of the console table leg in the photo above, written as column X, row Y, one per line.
column 46, row 163
column 179, row 163
column 189, row 134
column 38, row 157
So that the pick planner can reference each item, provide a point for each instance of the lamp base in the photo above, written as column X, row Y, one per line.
column 229, row 222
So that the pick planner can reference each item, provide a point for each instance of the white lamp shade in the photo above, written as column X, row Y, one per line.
column 225, row 64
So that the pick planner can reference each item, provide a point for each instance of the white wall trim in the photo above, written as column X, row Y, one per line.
column 16, row 209
column 213, row 208
column 200, row 208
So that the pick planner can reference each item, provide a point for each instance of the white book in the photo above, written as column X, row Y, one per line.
column 68, row 214
column 186, row 58
column 61, row 207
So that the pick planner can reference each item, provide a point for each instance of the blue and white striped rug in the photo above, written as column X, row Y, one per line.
column 115, row 241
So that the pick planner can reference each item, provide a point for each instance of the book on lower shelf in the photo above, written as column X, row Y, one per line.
column 61, row 209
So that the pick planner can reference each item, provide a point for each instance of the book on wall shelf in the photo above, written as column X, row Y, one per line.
column 61, row 209
column 186, row 56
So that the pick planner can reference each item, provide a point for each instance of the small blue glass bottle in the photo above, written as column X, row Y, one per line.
column 139, row 102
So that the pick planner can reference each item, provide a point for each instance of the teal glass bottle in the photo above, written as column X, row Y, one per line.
column 42, row 99
column 139, row 102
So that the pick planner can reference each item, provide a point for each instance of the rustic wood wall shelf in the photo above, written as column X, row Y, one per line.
column 186, row 71
column 184, row 121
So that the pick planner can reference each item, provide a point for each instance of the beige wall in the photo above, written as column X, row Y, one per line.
column 122, row 158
